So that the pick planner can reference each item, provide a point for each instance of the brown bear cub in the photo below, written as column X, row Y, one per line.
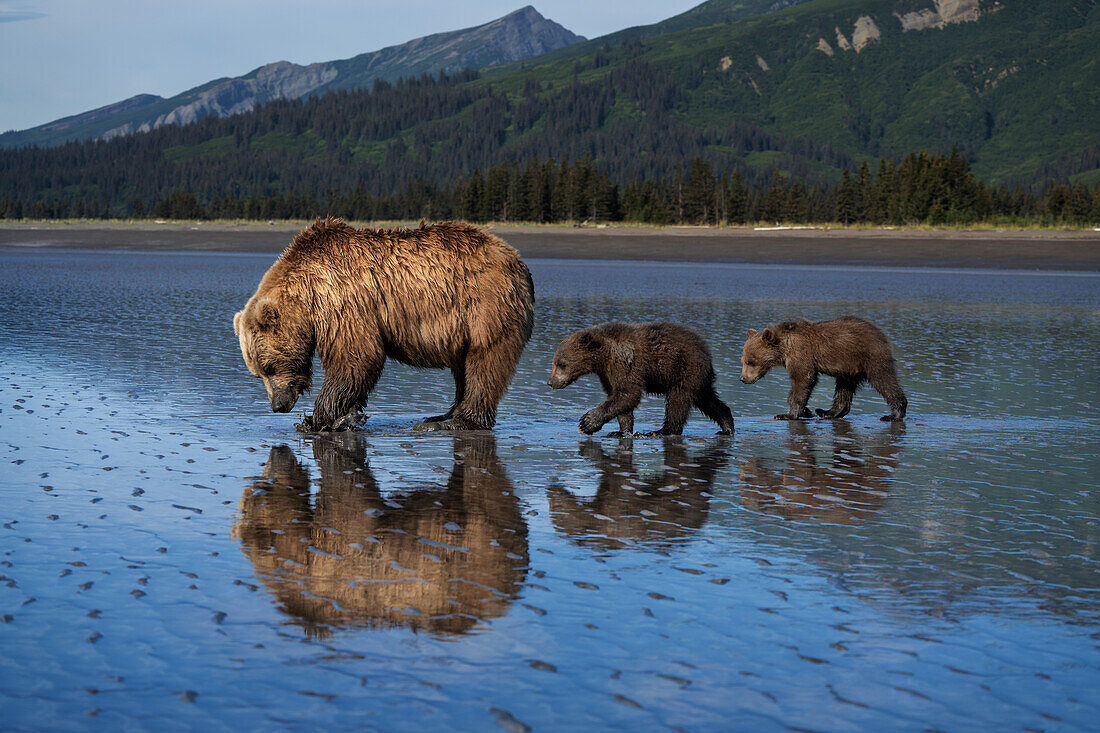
column 629, row 359
column 848, row 348
column 444, row 296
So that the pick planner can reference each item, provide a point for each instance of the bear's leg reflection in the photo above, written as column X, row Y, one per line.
column 438, row 558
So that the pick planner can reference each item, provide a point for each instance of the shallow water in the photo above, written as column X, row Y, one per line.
column 173, row 555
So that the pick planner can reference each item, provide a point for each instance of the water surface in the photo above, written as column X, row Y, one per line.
column 173, row 555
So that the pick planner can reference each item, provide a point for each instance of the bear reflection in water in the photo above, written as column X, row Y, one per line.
column 630, row 506
column 438, row 558
column 844, row 488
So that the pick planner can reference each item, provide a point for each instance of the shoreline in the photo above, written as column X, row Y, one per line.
column 1014, row 249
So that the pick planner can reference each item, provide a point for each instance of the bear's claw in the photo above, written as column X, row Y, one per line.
column 350, row 421
column 589, row 423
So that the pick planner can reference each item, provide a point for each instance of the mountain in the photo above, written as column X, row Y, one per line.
column 516, row 36
column 708, row 13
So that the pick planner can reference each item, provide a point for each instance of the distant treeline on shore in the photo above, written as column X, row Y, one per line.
column 922, row 188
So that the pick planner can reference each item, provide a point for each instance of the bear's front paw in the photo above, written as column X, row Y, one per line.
column 787, row 416
column 307, row 425
column 590, row 423
column 347, row 422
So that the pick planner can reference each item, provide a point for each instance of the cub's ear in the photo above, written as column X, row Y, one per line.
column 267, row 314
column 590, row 341
column 752, row 332
column 237, row 322
column 769, row 336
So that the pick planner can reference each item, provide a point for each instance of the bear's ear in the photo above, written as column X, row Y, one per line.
column 590, row 341
column 237, row 322
column 267, row 314
column 770, row 336
column 752, row 332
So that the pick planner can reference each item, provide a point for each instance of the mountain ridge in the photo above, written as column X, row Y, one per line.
column 520, row 34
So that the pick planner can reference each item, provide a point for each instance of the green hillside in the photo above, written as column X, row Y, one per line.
column 1013, row 89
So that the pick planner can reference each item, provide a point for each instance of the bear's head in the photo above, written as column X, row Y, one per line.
column 578, row 355
column 277, row 348
column 762, row 352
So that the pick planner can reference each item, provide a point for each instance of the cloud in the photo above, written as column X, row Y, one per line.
column 14, row 16
column 14, row 12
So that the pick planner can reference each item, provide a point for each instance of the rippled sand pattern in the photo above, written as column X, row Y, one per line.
column 173, row 555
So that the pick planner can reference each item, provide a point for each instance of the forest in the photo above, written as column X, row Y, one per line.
column 447, row 147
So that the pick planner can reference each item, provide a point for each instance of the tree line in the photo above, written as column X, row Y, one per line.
column 453, row 146
column 921, row 188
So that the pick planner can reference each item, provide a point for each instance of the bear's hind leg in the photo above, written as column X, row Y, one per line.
column 488, row 371
column 713, row 407
column 842, row 399
column 885, row 379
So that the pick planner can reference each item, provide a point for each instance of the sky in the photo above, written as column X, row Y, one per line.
column 64, row 57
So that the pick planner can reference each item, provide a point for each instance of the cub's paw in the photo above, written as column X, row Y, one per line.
column 892, row 418
column 590, row 423
column 827, row 414
column 786, row 416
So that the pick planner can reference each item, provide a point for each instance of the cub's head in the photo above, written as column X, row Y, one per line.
column 277, row 349
column 760, row 354
column 576, row 356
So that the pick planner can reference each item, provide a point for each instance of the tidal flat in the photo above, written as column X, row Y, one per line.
column 174, row 556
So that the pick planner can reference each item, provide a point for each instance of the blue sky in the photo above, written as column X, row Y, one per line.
column 63, row 57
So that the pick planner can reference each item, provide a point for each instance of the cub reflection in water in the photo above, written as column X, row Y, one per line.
column 844, row 488
column 437, row 558
column 661, row 506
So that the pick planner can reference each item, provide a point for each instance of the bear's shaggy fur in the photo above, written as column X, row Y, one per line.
column 448, row 295
column 848, row 348
column 629, row 359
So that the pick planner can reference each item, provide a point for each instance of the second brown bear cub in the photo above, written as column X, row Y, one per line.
column 848, row 348
column 629, row 359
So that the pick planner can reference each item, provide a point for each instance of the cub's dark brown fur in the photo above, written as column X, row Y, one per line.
column 851, row 349
column 629, row 359
column 445, row 296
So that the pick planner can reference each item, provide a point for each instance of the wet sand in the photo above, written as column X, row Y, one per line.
column 1015, row 249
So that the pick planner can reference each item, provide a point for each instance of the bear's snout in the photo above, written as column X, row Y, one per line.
column 282, row 400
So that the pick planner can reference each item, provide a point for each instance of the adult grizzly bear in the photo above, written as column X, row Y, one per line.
column 632, row 358
column 848, row 348
column 448, row 295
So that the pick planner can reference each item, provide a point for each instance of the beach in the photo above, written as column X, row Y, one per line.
column 1008, row 249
